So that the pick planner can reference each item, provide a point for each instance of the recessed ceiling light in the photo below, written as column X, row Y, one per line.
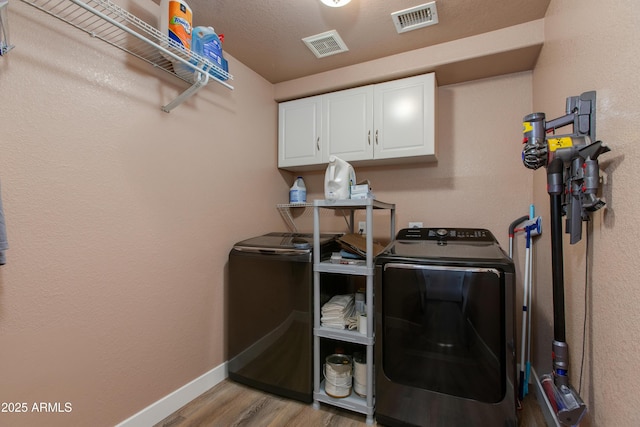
column 335, row 3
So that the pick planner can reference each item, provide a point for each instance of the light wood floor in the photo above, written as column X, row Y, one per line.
column 233, row 405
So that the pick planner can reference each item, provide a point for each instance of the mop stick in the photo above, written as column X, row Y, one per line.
column 524, row 313
column 532, row 213
column 528, row 364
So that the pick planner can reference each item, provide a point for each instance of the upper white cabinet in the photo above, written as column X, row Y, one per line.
column 299, row 127
column 384, row 123
column 405, row 118
column 348, row 130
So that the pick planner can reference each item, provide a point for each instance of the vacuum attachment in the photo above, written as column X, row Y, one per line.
column 565, row 401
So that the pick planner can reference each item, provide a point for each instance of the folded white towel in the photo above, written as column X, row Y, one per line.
column 334, row 326
column 350, row 322
column 340, row 313
column 337, row 311
column 337, row 319
column 338, row 302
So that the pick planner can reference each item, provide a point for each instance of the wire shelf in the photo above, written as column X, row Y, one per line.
column 285, row 212
column 112, row 24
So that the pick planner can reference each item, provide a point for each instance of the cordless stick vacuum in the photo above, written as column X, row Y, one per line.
column 572, row 182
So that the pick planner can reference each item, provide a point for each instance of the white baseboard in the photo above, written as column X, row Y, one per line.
column 175, row 400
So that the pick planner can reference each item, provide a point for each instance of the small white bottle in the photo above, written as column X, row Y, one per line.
column 298, row 191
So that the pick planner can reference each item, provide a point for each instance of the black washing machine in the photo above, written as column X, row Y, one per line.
column 270, row 312
column 445, row 350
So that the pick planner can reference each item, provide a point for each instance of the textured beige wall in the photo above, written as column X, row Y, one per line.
column 120, row 218
column 592, row 45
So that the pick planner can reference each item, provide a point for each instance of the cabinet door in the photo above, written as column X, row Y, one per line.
column 404, row 117
column 299, row 126
column 348, row 124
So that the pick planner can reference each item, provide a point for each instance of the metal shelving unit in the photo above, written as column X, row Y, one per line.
column 364, row 405
column 112, row 24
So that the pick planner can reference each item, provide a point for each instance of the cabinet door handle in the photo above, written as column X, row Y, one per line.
column 376, row 136
column 369, row 137
column 318, row 143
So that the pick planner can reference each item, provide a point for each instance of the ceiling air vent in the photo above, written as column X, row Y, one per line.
column 415, row 17
column 325, row 44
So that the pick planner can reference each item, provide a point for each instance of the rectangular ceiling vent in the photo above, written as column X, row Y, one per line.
column 325, row 44
column 415, row 17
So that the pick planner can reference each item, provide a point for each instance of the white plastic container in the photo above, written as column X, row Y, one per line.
column 298, row 191
column 360, row 374
column 338, row 179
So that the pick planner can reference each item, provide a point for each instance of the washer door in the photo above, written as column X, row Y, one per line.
column 444, row 329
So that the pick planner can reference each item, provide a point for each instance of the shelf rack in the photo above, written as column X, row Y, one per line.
column 286, row 211
column 5, row 46
column 353, row 402
column 112, row 24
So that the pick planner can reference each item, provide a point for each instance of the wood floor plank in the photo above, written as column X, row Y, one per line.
column 230, row 404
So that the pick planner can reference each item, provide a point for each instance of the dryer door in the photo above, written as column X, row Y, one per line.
column 444, row 329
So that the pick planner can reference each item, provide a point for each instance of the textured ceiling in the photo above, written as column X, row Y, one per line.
column 266, row 35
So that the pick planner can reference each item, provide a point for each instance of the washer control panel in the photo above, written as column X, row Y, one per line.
column 446, row 234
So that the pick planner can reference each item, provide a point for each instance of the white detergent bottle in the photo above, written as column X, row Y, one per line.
column 298, row 191
column 338, row 179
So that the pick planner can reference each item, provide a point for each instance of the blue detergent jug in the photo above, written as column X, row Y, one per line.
column 206, row 43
